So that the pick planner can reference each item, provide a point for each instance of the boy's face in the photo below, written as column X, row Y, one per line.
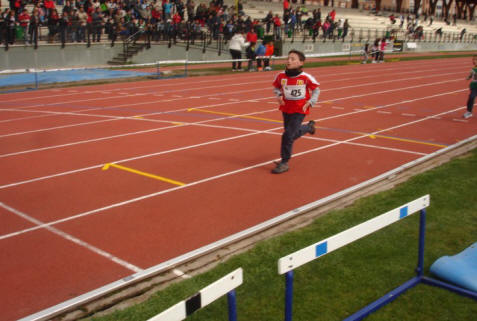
column 293, row 61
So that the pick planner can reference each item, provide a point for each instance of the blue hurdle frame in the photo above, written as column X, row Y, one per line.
column 392, row 295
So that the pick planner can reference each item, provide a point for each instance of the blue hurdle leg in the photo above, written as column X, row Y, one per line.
column 288, row 295
column 422, row 236
column 232, row 305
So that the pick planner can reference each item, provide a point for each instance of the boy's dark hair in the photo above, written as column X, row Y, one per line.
column 300, row 54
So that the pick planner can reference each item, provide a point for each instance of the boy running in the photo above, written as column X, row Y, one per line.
column 473, row 89
column 292, row 88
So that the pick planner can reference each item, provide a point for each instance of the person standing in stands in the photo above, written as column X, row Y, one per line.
column 382, row 48
column 33, row 28
column 292, row 88
column 24, row 19
column 237, row 43
column 269, row 50
column 259, row 53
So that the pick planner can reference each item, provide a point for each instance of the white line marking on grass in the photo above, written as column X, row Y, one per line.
column 73, row 239
column 208, row 179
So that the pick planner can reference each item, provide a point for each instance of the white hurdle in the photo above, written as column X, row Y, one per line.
column 204, row 297
column 288, row 263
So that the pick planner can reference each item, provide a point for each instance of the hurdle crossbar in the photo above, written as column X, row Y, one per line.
column 204, row 297
column 288, row 263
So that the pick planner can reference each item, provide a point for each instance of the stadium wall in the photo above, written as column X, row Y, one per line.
column 52, row 56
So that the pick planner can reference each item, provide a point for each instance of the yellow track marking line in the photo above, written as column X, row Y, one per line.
column 134, row 171
column 400, row 139
column 356, row 133
column 234, row 115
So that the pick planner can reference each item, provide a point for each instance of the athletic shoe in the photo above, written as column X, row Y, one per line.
column 467, row 115
column 281, row 168
column 312, row 129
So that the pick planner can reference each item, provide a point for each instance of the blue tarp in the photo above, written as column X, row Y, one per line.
column 48, row 77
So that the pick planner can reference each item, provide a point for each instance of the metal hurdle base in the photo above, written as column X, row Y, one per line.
column 420, row 278
column 394, row 294
column 288, row 263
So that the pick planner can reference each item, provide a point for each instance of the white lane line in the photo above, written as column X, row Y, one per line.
column 212, row 178
column 408, row 115
column 384, row 112
column 73, row 239
column 24, row 118
column 323, row 74
column 56, row 128
column 63, row 102
column 208, row 106
column 200, row 123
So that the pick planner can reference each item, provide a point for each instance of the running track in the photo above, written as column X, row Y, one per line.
column 70, row 224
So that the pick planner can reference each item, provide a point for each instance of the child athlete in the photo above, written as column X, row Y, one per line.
column 473, row 89
column 292, row 88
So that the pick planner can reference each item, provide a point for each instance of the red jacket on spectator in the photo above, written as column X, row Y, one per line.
column 333, row 15
column 176, row 18
column 252, row 36
column 269, row 49
column 49, row 4
column 24, row 18
column 286, row 5
column 276, row 21
column 155, row 13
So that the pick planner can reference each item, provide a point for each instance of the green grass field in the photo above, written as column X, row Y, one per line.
column 343, row 281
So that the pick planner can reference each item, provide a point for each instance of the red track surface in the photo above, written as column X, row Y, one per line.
column 54, row 143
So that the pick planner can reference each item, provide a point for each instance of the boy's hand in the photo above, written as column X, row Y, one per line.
column 281, row 102
column 306, row 106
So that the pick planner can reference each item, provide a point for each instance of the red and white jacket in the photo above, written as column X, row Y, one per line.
column 296, row 91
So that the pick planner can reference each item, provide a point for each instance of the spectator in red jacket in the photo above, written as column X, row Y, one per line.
column 286, row 5
column 49, row 6
column 252, row 36
column 277, row 26
column 24, row 19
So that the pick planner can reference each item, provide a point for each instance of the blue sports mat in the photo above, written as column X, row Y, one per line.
column 460, row 269
column 48, row 77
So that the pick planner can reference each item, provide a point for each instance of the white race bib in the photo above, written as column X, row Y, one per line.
column 296, row 92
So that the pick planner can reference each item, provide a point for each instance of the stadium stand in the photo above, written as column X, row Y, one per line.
column 147, row 19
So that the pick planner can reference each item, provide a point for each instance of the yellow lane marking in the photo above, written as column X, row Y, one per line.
column 356, row 133
column 134, row 171
column 400, row 139
column 234, row 115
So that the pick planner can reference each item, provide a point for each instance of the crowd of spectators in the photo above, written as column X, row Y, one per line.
column 156, row 20
column 93, row 20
